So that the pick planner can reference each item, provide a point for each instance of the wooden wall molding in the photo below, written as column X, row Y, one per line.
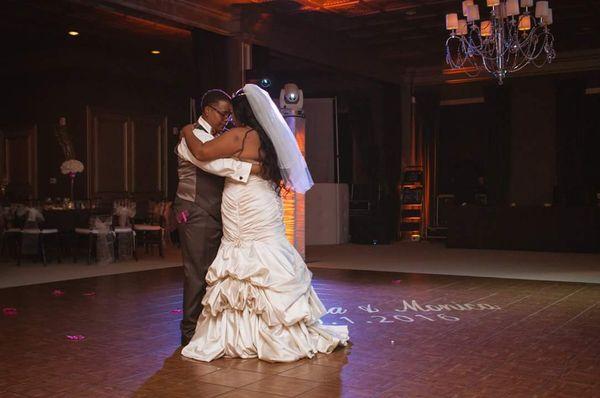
column 9, row 137
column 114, row 167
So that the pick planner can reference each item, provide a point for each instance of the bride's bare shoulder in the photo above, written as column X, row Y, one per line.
column 237, row 130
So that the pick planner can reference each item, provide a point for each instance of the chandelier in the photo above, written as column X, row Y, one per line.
column 508, row 41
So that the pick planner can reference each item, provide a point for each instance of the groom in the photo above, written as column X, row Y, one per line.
column 198, row 205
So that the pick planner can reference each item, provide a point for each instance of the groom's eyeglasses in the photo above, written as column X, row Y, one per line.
column 224, row 115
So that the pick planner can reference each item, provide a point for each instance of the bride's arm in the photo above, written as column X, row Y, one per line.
column 224, row 146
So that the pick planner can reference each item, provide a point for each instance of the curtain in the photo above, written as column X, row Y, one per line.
column 497, row 121
column 570, row 189
column 426, row 124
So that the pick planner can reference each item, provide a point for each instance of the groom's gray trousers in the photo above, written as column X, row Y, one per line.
column 200, row 235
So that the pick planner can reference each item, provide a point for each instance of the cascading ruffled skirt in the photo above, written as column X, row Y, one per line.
column 259, row 301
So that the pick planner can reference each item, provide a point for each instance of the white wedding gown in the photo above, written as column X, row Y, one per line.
column 259, row 301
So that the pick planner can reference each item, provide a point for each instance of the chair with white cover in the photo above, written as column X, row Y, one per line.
column 125, row 237
column 150, row 229
column 10, row 231
column 98, row 233
column 36, row 235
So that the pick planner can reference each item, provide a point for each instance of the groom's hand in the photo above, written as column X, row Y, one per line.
column 256, row 169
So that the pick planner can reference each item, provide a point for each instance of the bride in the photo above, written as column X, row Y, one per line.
column 259, row 301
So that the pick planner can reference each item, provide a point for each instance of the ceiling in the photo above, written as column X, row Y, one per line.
column 34, row 39
column 32, row 26
column 412, row 32
column 384, row 38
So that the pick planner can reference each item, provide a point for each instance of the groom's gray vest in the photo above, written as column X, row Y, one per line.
column 200, row 187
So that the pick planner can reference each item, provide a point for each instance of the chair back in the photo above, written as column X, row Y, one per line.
column 101, row 220
column 124, row 211
column 17, row 215
column 3, row 218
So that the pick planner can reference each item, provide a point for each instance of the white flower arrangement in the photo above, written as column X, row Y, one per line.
column 71, row 167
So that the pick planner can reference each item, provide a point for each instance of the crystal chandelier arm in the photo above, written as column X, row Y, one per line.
column 461, row 59
column 534, row 49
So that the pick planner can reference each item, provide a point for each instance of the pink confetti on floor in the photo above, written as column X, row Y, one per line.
column 9, row 311
column 76, row 337
column 397, row 282
column 58, row 293
column 89, row 294
column 176, row 311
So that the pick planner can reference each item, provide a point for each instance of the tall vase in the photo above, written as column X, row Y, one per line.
column 72, row 177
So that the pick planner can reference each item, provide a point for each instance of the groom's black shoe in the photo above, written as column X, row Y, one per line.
column 185, row 340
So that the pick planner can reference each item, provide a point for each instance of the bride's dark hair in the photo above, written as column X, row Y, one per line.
column 268, row 156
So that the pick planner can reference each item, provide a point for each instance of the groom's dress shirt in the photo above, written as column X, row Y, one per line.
column 226, row 167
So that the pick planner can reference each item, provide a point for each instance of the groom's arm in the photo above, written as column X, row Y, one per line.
column 226, row 167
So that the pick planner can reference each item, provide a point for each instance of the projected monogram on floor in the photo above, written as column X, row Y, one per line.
column 409, row 312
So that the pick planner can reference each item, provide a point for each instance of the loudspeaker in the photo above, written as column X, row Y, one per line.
column 370, row 229
column 372, row 215
column 443, row 204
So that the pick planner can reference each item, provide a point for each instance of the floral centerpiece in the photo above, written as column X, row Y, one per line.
column 70, row 166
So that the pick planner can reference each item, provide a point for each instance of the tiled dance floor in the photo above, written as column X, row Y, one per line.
column 412, row 336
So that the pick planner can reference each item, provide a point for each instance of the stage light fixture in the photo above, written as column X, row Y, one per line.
column 73, row 33
column 291, row 97
column 155, row 52
column 265, row 82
